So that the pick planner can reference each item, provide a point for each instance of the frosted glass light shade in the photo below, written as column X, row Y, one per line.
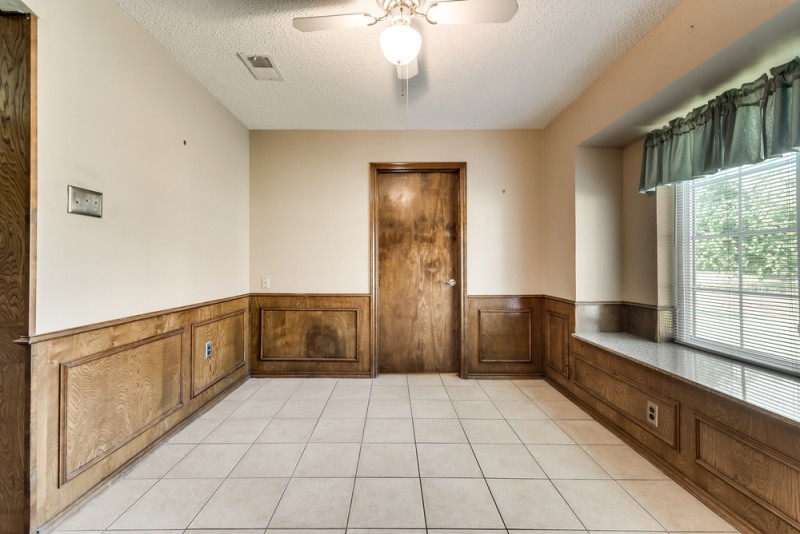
column 400, row 44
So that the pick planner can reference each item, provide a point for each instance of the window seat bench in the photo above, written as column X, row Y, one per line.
column 728, row 431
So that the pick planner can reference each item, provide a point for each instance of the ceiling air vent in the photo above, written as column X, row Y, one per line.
column 261, row 67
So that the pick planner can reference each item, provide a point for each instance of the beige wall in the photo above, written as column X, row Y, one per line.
column 114, row 111
column 309, row 206
column 694, row 33
column 639, row 229
column 598, row 223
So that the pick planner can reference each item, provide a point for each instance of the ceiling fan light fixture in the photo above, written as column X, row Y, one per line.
column 400, row 43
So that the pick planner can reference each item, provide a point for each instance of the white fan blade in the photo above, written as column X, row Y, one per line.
column 406, row 72
column 471, row 11
column 333, row 22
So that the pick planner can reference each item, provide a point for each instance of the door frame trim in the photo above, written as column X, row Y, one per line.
column 460, row 170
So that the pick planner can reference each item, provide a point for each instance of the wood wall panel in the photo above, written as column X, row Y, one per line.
column 559, row 324
column 110, row 398
column 630, row 399
column 104, row 394
column 293, row 331
column 504, row 336
column 17, row 255
column 288, row 334
column 741, row 460
column 228, row 353
column 751, row 467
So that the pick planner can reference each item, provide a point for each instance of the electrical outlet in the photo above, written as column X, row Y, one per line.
column 652, row 413
column 208, row 350
column 265, row 282
column 84, row 202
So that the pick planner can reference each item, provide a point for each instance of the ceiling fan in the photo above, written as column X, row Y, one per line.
column 400, row 42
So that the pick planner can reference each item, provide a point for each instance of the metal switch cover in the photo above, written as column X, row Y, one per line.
column 84, row 202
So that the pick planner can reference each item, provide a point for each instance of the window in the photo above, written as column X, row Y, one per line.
column 737, row 263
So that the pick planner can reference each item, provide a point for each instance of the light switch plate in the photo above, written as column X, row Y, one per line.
column 84, row 202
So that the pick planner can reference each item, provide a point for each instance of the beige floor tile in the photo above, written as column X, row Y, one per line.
column 447, row 460
column 515, row 500
column 387, row 503
column 313, row 392
column 241, row 503
column 489, row 431
column 506, row 391
column 439, row 431
column 546, row 393
column 351, row 392
column 459, row 503
column 209, row 461
column 222, row 409
column 428, row 392
column 567, row 462
column 274, row 392
column 604, row 505
column 588, row 432
column 390, row 380
column 287, row 431
column 196, row 431
column 466, row 393
column 301, row 409
column 305, row 531
column 93, row 532
column 622, row 462
column 449, row 379
column 384, row 409
column 332, row 382
column 388, row 460
column 533, row 382
column 468, row 531
column 245, row 391
column 386, row 531
column 520, row 409
column 161, row 531
column 338, row 430
column 104, row 509
column 562, row 410
column 269, row 460
column 476, row 409
column 663, row 498
column 432, row 409
column 534, row 431
column 424, row 380
column 160, row 461
column 345, row 408
column 381, row 392
column 170, row 504
column 388, row 431
column 314, row 503
column 507, row 461
column 328, row 460
column 537, row 531
column 257, row 409
column 237, row 431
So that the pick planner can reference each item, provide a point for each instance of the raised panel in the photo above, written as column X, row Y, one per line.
column 504, row 336
column 226, row 335
column 109, row 398
column 765, row 475
column 556, row 339
column 311, row 334
column 629, row 399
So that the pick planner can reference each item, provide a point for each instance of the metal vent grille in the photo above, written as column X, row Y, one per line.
column 262, row 67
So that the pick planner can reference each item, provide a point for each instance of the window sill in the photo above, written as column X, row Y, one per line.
column 772, row 392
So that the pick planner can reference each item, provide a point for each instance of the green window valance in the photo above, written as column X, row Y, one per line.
column 742, row 126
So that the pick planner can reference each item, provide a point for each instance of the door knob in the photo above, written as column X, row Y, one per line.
column 451, row 282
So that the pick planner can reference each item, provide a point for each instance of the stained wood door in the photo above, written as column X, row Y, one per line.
column 418, row 312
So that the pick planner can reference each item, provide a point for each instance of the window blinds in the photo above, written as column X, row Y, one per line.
column 737, row 263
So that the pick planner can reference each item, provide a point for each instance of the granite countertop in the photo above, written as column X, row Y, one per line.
column 773, row 392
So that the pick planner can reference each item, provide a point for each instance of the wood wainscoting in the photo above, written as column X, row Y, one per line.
column 311, row 335
column 744, row 462
column 105, row 393
column 504, row 336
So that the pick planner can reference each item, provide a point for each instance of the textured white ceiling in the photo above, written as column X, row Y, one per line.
column 521, row 74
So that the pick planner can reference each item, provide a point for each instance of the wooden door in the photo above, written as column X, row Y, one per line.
column 419, row 252
column 17, row 181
